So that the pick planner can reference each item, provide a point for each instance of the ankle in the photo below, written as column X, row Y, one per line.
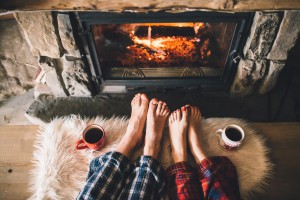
column 179, row 157
column 198, row 155
column 150, row 152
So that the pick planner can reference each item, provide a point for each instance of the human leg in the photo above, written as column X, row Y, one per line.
column 182, row 178
column 134, row 133
column 217, row 175
column 107, row 174
column 194, row 134
column 156, row 120
column 148, row 179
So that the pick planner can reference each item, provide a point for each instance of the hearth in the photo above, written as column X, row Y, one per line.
column 162, row 49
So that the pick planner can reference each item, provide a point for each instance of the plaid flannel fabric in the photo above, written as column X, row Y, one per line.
column 113, row 176
column 214, row 178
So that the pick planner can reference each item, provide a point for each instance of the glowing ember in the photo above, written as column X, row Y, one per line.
column 164, row 51
column 155, row 45
column 151, row 43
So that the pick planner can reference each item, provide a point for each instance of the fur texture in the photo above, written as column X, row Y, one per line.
column 60, row 170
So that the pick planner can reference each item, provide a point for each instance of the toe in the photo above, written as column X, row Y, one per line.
column 144, row 100
column 138, row 99
column 193, row 111
column 154, row 101
column 166, row 111
column 153, row 105
column 144, row 97
column 171, row 119
column 164, row 108
column 184, row 114
column 159, row 107
column 178, row 114
column 174, row 115
column 134, row 99
column 188, row 107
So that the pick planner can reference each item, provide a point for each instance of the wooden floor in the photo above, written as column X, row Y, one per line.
column 284, row 139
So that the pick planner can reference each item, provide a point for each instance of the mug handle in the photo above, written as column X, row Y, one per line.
column 219, row 132
column 78, row 145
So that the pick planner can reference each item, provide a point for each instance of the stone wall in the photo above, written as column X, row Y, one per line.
column 49, row 57
column 51, row 40
column 266, row 51
column 18, row 67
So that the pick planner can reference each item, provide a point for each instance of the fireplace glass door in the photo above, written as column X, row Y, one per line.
column 166, row 48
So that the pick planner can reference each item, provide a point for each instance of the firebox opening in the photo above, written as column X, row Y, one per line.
column 162, row 49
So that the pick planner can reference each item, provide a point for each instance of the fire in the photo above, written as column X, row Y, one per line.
column 150, row 50
column 151, row 43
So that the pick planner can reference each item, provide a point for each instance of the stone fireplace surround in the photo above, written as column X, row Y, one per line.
column 63, row 71
column 60, row 70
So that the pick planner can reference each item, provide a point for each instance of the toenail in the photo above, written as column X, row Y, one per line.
column 183, row 108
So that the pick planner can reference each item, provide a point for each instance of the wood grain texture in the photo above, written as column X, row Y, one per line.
column 16, row 148
column 4, row 16
column 284, row 142
column 150, row 5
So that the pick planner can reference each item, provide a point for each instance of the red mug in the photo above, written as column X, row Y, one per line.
column 93, row 137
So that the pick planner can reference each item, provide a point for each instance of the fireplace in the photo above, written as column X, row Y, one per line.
column 162, row 49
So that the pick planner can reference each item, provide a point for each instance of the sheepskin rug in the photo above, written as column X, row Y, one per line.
column 59, row 170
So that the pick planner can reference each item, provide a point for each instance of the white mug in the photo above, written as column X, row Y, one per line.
column 231, row 137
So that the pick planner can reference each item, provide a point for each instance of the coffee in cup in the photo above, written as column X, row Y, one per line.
column 93, row 137
column 231, row 137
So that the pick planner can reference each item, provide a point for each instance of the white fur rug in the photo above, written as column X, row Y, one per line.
column 60, row 170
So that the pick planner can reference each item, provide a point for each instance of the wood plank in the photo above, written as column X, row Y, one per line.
column 16, row 147
column 284, row 141
column 9, row 15
column 149, row 5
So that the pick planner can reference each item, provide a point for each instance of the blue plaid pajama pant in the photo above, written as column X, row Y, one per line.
column 113, row 176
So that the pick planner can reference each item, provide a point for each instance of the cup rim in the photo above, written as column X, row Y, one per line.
column 90, row 127
column 232, row 142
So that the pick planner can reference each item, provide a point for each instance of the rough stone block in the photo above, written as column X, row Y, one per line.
column 52, row 76
column 287, row 35
column 10, row 67
column 248, row 75
column 262, row 35
column 10, row 86
column 40, row 89
column 113, row 89
column 18, row 66
column 66, row 35
column 271, row 77
column 24, row 72
column 40, row 33
column 13, row 44
column 75, row 77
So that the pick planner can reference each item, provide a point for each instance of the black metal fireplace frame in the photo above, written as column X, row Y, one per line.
column 88, row 50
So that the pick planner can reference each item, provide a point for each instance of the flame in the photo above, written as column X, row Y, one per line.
column 151, row 43
column 165, row 50
column 198, row 26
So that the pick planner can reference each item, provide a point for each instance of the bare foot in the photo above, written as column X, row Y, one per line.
column 178, row 125
column 134, row 133
column 156, row 118
column 194, row 135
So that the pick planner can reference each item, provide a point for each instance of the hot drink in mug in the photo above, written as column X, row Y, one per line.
column 93, row 137
column 231, row 137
